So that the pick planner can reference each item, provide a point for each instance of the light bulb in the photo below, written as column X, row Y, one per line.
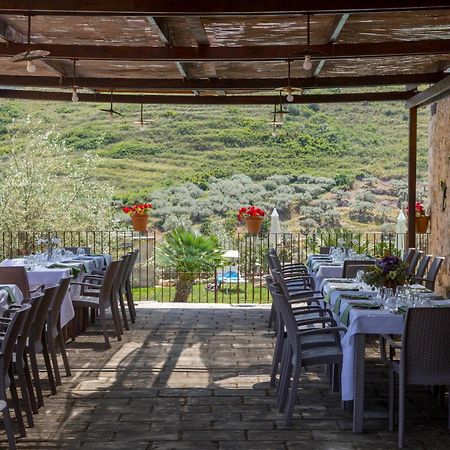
column 31, row 68
column 74, row 94
column 289, row 97
column 307, row 64
column 280, row 118
column 274, row 131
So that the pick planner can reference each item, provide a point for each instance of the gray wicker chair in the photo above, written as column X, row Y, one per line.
column 297, row 356
column 424, row 357
column 54, row 332
column 325, row 250
column 352, row 266
column 422, row 268
column 104, row 300
column 408, row 254
column 413, row 262
column 7, row 423
column 430, row 279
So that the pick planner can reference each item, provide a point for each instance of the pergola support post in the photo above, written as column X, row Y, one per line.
column 412, row 177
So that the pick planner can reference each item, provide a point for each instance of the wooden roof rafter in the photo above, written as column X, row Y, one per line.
column 209, row 7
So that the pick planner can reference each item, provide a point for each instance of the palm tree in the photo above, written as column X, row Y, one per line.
column 190, row 254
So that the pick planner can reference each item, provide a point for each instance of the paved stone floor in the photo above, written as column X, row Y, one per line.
column 195, row 377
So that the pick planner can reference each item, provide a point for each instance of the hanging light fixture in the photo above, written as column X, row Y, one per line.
column 74, row 86
column 30, row 55
column 307, row 64
column 290, row 96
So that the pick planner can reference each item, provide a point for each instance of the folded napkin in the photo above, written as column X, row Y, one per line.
column 74, row 269
column 345, row 316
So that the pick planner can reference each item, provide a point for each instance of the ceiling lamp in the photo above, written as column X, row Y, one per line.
column 74, row 86
column 307, row 64
column 30, row 55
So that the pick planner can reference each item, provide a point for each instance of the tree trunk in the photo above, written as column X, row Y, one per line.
column 184, row 289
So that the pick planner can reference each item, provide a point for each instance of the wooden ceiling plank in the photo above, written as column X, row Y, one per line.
column 221, row 84
column 13, row 36
column 432, row 94
column 243, row 53
column 205, row 100
column 336, row 28
column 208, row 7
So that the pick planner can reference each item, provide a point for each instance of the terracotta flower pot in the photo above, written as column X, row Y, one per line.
column 139, row 222
column 422, row 224
column 253, row 224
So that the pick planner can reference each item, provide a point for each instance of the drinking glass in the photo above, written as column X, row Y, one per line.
column 81, row 251
column 390, row 301
column 359, row 276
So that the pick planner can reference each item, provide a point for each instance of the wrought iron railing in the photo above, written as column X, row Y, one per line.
column 152, row 281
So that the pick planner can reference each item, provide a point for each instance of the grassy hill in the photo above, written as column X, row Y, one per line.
column 193, row 143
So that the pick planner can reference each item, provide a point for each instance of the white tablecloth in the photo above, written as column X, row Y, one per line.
column 327, row 272
column 48, row 277
column 5, row 299
column 366, row 321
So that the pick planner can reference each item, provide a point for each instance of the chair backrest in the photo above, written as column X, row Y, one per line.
column 408, row 254
column 413, row 262
column 54, row 310
column 351, row 267
column 18, row 276
column 87, row 250
column 325, row 250
column 106, row 288
column 422, row 268
column 13, row 326
column 425, row 354
column 134, row 255
column 41, row 316
column 127, row 270
column 433, row 272
column 120, row 276
column 27, row 324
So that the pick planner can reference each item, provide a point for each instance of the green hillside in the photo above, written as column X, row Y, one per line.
column 192, row 143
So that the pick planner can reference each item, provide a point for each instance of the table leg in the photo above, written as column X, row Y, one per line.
column 358, row 383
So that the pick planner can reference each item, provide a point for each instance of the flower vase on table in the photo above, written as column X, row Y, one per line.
column 253, row 218
column 139, row 215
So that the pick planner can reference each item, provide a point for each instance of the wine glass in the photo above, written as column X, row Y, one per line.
column 81, row 251
column 390, row 300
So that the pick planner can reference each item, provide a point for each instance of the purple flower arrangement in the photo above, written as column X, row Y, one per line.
column 389, row 271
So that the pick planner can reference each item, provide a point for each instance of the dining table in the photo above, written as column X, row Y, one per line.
column 361, row 312
column 53, row 272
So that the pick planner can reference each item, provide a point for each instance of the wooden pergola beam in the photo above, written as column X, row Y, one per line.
column 430, row 95
column 218, row 84
column 211, row 7
column 412, row 177
column 244, row 53
column 207, row 99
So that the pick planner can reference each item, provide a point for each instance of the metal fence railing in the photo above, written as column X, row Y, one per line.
column 151, row 281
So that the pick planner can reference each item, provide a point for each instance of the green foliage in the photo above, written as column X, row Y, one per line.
column 189, row 252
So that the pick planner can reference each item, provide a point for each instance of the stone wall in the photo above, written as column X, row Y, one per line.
column 438, row 178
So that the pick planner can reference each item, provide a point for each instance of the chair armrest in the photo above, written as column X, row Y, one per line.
column 93, row 277
column 35, row 288
column 391, row 342
column 310, row 331
column 322, row 320
column 90, row 285
column 99, row 273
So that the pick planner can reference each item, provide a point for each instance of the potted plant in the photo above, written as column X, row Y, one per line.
column 422, row 218
column 139, row 215
column 389, row 271
column 253, row 218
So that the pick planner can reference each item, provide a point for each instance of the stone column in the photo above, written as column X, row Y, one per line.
column 438, row 180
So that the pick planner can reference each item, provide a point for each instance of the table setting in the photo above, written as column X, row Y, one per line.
column 374, row 303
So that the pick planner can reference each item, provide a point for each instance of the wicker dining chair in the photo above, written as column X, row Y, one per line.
column 104, row 300
column 413, row 262
column 37, row 344
column 430, row 279
column 325, row 250
column 422, row 268
column 18, row 276
column 408, row 254
column 296, row 356
column 7, row 424
column 53, row 330
column 128, row 286
column 306, row 312
column 10, row 328
column 424, row 357
column 352, row 266
column 20, row 361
